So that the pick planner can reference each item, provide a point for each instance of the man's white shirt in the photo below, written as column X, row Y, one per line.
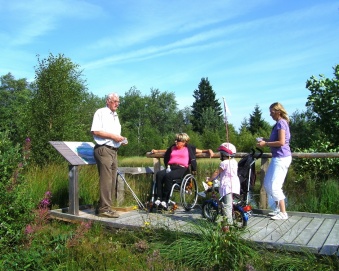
column 106, row 120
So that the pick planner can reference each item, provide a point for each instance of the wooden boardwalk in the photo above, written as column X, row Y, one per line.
column 317, row 233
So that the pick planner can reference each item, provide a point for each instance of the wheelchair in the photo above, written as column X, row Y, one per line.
column 188, row 193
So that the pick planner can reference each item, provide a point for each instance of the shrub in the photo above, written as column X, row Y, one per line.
column 15, row 203
column 317, row 168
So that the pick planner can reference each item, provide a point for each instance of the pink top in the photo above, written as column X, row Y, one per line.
column 179, row 156
column 229, row 180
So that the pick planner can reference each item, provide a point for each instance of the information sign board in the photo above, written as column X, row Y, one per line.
column 76, row 153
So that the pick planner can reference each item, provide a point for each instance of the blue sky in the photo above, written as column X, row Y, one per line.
column 253, row 52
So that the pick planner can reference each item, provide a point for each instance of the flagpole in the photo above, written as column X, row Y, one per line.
column 226, row 126
column 226, row 123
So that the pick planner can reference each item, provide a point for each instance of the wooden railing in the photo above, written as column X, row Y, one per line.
column 263, row 201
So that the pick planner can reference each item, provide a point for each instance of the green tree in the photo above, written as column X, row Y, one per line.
column 149, row 121
column 186, row 115
column 84, row 111
column 163, row 112
column 133, row 113
column 257, row 124
column 303, row 129
column 210, row 120
column 14, row 98
column 245, row 141
column 205, row 105
column 323, row 102
column 244, row 125
column 56, row 106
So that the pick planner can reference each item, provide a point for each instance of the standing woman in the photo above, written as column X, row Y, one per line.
column 281, row 159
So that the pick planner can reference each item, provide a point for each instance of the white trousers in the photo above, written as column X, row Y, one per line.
column 228, row 207
column 275, row 177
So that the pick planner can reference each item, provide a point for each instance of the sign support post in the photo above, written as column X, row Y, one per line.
column 73, row 186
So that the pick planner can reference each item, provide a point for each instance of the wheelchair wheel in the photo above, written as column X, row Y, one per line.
column 238, row 219
column 189, row 192
column 210, row 210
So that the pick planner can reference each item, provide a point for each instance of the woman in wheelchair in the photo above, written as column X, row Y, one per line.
column 178, row 158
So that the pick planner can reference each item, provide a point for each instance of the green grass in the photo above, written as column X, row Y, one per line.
column 56, row 245
column 62, row 246
column 304, row 197
column 54, row 178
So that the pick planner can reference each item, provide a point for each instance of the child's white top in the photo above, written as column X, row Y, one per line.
column 229, row 180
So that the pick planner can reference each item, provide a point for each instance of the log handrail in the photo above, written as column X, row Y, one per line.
column 160, row 154
column 263, row 202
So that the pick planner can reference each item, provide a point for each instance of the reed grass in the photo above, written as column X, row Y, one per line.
column 303, row 197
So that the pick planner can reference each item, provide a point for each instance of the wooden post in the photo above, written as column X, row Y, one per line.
column 156, row 166
column 73, row 190
column 263, row 202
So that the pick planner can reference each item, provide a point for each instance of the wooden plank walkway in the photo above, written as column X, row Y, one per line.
column 317, row 233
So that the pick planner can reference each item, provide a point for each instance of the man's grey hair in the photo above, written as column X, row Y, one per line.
column 112, row 95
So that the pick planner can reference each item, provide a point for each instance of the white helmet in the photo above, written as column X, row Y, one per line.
column 227, row 149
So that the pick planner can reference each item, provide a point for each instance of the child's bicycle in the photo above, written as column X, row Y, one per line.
column 212, row 207
column 242, row 210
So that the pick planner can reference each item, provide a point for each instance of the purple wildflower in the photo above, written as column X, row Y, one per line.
column 29, row 229
column 45, row 202
column 48, row 194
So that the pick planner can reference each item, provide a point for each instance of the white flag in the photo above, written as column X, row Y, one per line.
column 227, row 110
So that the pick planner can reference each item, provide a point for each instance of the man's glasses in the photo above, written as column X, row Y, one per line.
column 179, row 140
column 114, row 101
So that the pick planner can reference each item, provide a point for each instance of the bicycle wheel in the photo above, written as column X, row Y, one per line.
column 239, row 219
column 210, row 210
column 189, row 192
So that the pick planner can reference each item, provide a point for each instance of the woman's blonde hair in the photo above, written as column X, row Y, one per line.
column 278, row 107
column 182, row 137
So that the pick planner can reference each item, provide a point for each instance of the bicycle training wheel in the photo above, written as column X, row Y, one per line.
column 238, row 219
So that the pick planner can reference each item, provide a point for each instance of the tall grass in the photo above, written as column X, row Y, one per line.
column 307, row 196
column 322, row 197
column 212, row 249
column 68, row 247
column 55, row 178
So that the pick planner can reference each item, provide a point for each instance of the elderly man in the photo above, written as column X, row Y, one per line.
column 106, row 130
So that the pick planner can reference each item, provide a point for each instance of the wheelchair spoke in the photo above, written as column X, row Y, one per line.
column 189, row 192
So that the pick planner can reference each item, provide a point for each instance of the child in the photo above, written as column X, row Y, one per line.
column 228, row 176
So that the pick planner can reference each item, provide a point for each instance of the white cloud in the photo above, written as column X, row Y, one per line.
column 29, row 20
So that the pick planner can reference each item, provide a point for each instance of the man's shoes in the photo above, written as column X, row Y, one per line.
column 109, row 214
column 202, row 194
column 275, row 212
column 157, row 202
column 280, row 216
